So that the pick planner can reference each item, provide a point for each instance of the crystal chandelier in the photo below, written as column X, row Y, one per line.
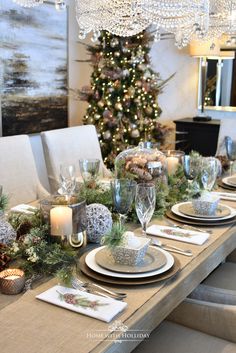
column 129, row 17
column 28, row 3
column 182, row 19
column 120, row 17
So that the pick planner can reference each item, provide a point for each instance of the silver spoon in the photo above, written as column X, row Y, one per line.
column 171, row 248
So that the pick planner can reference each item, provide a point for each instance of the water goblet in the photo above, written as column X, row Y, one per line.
column 123, row 193
column 230, row 146
column 145, row 202
column 89, row 169
column 191, row 165
column 68, row 179
column 209, row 172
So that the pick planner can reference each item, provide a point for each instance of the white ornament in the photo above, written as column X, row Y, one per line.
column 7, row 233
column 99, row 222
column 106, row 135
column 135, row 133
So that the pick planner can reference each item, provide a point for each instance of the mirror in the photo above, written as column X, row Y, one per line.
column 220, row 87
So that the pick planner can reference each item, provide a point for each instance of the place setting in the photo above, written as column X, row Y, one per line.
column 133, row 260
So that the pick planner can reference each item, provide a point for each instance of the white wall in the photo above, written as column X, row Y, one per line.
column 178, row 100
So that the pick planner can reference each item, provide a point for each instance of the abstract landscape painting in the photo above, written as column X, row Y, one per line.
column 33, row 68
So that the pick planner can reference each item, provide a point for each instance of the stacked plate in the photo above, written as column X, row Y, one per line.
column 157, row 265
column 228, row 183
column 183, row 212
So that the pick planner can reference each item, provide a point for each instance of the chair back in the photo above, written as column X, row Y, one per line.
column 227, row 130
column 68, row 146
column 18, row 174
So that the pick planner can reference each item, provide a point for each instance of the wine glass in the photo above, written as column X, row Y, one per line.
column 192, row 166
column 145, row 202
column 68, row 179
column 209, row 172
column 123, row 193
column 89, row 169
column 230, row 146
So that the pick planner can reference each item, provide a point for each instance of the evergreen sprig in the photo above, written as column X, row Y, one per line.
column 3, row 202
column 115, row 236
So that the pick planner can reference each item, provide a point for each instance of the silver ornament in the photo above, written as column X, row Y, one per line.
column 99, row 222
column 135, row 133
column 106, row 135
column 7, row 233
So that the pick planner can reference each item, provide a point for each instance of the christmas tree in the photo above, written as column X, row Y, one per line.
column 123, row 94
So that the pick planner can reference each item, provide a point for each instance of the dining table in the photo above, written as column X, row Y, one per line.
column 29, row 325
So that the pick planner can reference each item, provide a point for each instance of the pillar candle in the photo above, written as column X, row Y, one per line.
column 61, row 220
column 172, row 164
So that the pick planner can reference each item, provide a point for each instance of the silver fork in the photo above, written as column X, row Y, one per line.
column 87, row 285
column 171, row 248
column 75, row 285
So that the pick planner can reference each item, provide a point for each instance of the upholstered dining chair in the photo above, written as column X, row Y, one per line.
column 18, row 174
column 226, row 129
column 68, row 146
column 173, row 338
column 211, row 307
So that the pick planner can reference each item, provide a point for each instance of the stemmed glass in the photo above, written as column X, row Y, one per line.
column 123, row 193
column 209, row 172
column 230, row 146
column 89, row 169
column 68, row 178
column 145, row 202
column 192, row 166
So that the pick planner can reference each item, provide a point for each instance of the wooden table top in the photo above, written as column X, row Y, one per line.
column 148, row 306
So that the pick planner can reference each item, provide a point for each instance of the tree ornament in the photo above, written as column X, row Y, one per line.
column 125, row 73
column 99, row 222
column 114, row 42
column 106, row 135
column 149, row 110
column 131, row 91
column 101, row 104
column 107, row 114
column 138, row 84
column 118, row 106
column 97, row 116
column 135, row 133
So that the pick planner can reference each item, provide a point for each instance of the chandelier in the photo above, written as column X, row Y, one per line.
column 129, row 17
column 28, row 3
column 59, row 4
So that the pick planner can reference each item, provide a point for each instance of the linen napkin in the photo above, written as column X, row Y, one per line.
column 184, row 235
column 98, row 307
column 230, row 196
column 24, row 208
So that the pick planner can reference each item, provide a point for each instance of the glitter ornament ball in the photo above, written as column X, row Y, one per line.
column 99, row 222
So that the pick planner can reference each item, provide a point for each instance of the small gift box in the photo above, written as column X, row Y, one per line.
column 12, row 281
column 206, row 205
column 133, row 250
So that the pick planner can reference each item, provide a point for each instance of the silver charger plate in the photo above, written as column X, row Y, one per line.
column 221, row 211
column 91, row 263
column 231, row 181
column 176, row 211
column 153, row 260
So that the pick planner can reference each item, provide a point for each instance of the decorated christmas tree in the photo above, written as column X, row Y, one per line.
column 123, row 94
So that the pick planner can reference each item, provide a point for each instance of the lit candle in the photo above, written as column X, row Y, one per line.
column 12, row 277
column 172, row 164
column 61, row 220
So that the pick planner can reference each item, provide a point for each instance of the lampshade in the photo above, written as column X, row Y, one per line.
column 204, row 49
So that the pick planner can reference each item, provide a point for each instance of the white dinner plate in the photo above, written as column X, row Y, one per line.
column 91, row 263
column 175, row 210
column 227, row 181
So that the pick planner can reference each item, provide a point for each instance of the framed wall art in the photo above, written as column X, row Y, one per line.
column 33, row 68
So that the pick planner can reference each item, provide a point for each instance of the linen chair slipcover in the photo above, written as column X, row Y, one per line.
column 211, row 307
column 18, row 174
column 172, row 338
column 68, row 146
column 227, row 128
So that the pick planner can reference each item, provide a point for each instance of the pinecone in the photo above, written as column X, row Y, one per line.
column 4, row 259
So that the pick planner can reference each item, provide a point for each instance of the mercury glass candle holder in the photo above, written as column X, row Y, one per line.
column 173, row 160
column 12, row 281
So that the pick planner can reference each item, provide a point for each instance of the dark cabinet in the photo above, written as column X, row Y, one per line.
column 198, row 136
